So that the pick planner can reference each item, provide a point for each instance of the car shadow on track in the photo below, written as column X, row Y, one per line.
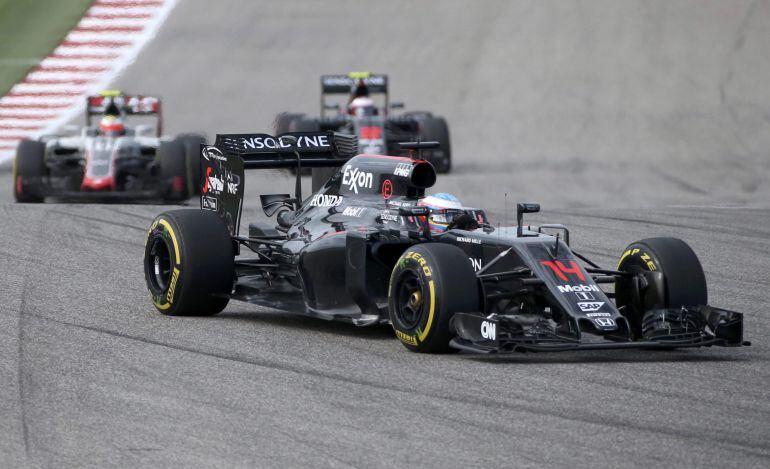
column 307, row 323
column 615, row 356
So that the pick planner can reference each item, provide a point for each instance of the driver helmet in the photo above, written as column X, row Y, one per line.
column 362, row 107
column 112, row 126
column 444, row 208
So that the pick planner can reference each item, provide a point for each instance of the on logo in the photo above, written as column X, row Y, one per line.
column 476, row 263
column 489, row 330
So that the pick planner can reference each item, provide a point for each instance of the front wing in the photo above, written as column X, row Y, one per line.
column 496, row 335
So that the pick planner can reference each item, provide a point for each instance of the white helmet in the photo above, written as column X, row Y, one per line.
column 362, row 106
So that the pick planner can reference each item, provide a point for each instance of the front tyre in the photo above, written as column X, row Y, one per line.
column 429, row 284
column 188, row 263
column 681, row 281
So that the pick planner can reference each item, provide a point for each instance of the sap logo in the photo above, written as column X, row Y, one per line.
column 212, row 153
column 353, row 211
column 489, row 330
column 476, row 263
column 304, row 141
column 356, row 179
column 604, row 322
column 577, row 288
column 590, row 305
column 465, row 239
column 403, row 169
column 385, row 215
column 215, row 184
column 598, row 315
column 325, row 200
column 208, row 203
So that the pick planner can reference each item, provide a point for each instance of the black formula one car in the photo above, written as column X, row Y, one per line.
column 379, row 131
column 110, row 160
column 360, row 250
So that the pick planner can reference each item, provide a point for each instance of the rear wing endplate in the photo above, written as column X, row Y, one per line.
column 223, row 164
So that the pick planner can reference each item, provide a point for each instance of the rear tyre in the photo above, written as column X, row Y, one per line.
column 429, row 284
column 192, row 151
column 189, row 263
column 683, row 281
column 173, row 170
column 283, row 121
column 28, row 172
column 436, row 128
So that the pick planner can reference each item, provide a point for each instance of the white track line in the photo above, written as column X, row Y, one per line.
column 92, row 55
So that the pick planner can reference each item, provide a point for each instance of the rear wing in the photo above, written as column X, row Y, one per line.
column 223, row 164
column 118, row 104
column 343, row 84
column 314, row 149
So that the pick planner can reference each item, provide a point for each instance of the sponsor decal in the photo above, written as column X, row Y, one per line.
column 172, row 286
column 212, row 153
column 577, row 288
column 232, row 183
column 643, row 256
column 387, row 189
column 586, row 306
column 420, row 260
column 213, row 183
column 386, row 215
column 353, row 211
column 371, row 132
column 476, row 263
column 465, row 239
column 400, row 203
column 562, row 272
column 304, row 141
column 489, row 330
column 604, row 322
column 325, row 200
column 208, row 203
column 356, row 179
column 406, row 338
column 403, row 169
column 598, row 315
column 584, row 296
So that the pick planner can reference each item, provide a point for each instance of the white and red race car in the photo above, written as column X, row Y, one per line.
column 110, row 159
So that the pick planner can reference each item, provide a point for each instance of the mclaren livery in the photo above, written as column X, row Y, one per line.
column 379, row 131
column 360, row 250
column 110, row 160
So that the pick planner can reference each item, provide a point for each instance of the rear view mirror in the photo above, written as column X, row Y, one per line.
column 521, row 209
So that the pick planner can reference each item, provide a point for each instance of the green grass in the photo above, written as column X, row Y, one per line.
column 30, row 30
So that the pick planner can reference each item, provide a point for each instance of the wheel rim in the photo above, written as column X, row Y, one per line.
column 159, row 265
column 410, row 300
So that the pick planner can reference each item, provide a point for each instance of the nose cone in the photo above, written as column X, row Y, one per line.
column 105, row 183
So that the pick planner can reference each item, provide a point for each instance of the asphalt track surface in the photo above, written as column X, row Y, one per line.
column 624, row 119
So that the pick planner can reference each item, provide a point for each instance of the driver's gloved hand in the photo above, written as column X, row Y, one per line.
column 464, row 221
